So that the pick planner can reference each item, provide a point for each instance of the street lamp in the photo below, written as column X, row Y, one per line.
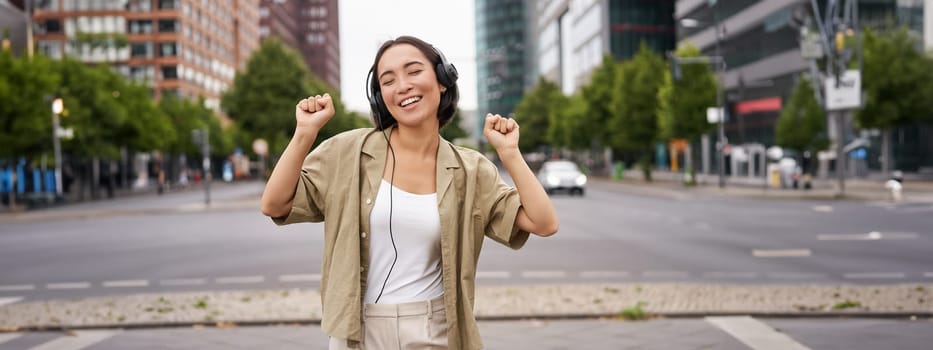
column 57, row 107
column 720, row 62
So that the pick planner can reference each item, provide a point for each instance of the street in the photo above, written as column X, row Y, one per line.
column 172, row 243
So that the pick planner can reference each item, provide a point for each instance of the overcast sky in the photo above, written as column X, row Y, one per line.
column 366, row 24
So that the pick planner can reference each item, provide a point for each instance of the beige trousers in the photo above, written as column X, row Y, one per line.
column 409, row 326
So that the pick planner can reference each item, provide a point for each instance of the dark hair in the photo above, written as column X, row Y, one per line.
column 448, row 105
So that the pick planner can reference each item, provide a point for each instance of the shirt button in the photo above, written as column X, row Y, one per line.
column 363, row 234
column 362, row 269
column 368, row 201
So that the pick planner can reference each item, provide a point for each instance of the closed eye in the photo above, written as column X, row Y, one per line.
column 415, row 72
column 388, row 82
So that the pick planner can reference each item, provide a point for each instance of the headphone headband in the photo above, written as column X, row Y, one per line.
column 445, row 72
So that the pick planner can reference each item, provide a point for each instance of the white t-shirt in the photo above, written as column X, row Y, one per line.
column 416, row 228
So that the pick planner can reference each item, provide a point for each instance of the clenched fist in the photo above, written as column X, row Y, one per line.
column 313, row 112
column 502, row 133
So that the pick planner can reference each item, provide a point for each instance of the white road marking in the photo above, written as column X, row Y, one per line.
column 719, row 274
column 126, row 283
column 928, row 274
column 544, row 274
column 780, row 253
column 823, row 208
column 603, row 274
column 10, row 300
column 183, row 282
column 915, row 210
column 874, row 275
column 5, row 337
column 870, row 236
column 493, row 274
column 756, row 334
column 81, row 340
column 15, row 287
column 239, row 280
column 69, row 285
column 795, row 275
column 300, row 278
column 665, row 274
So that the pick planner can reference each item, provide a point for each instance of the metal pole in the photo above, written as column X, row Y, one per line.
column 719, row 102
column 206, row 150
column 28, row 7
column 56, row 143
column 840, row 151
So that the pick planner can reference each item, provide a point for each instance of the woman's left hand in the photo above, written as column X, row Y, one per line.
column 501, row 132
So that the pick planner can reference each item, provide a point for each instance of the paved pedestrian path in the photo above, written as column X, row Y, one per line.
column 721, row 333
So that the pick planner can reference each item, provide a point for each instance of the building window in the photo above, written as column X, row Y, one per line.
column 140, row 5
column 169, row 72
column 168, row 4
column 51, row 49
column 168, row 26
column 141, row 50
column 140, row 26
column 168, row 49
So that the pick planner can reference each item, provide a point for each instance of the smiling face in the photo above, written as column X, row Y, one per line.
column 409, row 85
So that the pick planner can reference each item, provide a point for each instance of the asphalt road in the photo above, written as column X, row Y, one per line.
column 170, row 243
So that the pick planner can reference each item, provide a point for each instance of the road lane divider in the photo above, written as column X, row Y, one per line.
column 17, row 287
column 795, row 275
column 493, row 274
column 665, row 274
column 874, row 275
column 68, row 285
column 604, row 274
column 730, row 275
column 781, row 253
column 756, row 334
column 239, row 280
column 544, row 274
column 870, row 236
column 183, row 282
column 126, row 283
column 300, row 278
column 9, row 300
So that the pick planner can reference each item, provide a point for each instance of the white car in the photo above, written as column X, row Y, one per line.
column 562, row 175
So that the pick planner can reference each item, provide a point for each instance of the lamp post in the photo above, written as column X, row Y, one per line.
column 57, row 107
column 720, row 68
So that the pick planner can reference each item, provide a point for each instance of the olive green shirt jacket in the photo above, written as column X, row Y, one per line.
column 338, row 184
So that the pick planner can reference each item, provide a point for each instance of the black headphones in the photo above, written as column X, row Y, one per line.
column 446, row 75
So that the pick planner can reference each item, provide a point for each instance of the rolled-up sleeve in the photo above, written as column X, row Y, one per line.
column 308, row 203
column 500, row 203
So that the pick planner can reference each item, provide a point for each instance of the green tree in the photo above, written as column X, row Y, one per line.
column 147, row 128
column 682, row 102
column 93, row 111
column 262, row 98
column 802, row 124
column 896, row 78
column 598, row 95
column 576, row 124
column 452, row 130
column 635, row 126
column 26, row 87
column 534, row 114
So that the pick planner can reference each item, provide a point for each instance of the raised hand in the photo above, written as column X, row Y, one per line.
column 313, row 112
column 502, row 133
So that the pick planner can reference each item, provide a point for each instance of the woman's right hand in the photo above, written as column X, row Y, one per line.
column 313, row 112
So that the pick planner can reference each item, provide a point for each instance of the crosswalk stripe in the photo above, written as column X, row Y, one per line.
column 5, row 337
column 80, row 340
column 756, row 334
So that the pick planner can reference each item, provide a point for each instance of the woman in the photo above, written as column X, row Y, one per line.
column 404, row 211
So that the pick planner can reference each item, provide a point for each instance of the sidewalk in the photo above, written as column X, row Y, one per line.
column 669, row 184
